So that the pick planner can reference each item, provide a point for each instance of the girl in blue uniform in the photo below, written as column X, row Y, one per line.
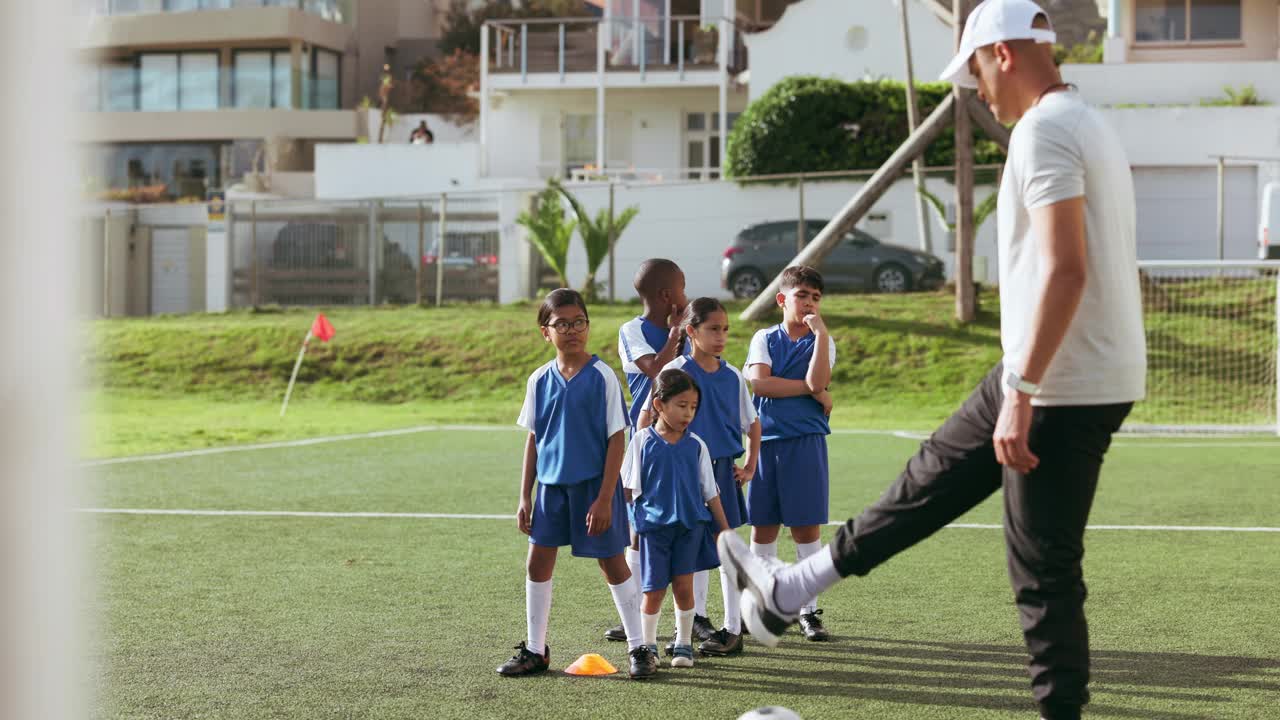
column 576, row 419
column 668, row 478
column 725, row 413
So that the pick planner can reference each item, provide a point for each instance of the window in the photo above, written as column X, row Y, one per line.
column 158, row 82
column 579, row 142
column 1186, row 21
column 702, row 143
column 185, row 169
column 119, row 86
column 326, row 87
column 263, row 79
column 178, row 81
column 90, row 87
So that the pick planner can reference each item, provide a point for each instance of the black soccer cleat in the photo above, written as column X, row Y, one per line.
column 644, row 662
column 811, row 626
column 616, row 633
column 525, row 662
column 722, row 643
column 702, row 628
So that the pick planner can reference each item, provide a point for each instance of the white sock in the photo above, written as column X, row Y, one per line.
column 650, row 623
column 626, row 597
column 633, row 562
column 684, row 626
column 804, row 550
column 701, row 581
column 801, row 583
column 765, row 551
column 537, row 610
column 732, row 605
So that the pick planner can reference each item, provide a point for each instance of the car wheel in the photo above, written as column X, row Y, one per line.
column 892, row 278
column 747, row 283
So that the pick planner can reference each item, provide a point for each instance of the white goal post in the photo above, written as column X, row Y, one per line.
column 1213, row 347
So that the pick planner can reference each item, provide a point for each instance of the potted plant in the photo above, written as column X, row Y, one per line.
column 706, row 39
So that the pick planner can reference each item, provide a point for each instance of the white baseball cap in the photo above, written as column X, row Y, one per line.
column 994, row 21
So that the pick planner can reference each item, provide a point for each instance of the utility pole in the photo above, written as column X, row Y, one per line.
column 913, row 120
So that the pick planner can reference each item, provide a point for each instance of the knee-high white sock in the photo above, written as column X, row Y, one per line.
column 650, row 623
column 537, row 609
column 765, row 551
column 626, row 597
column 633, row 562
column 701, row 581
column 684, row 626
column 732, row 605
column 799, row 585
column 805, row 550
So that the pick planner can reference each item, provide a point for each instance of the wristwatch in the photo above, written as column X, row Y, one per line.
column 1014, row 381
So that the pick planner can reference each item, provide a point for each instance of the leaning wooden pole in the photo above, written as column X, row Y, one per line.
column 964, row 186
column 861, row 203
column 913, row 119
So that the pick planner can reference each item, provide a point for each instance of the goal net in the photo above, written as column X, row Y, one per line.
column 1213, row 347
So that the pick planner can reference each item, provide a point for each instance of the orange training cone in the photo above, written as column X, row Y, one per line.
column 590, row 664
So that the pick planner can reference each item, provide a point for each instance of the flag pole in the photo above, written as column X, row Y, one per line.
column 292, row 378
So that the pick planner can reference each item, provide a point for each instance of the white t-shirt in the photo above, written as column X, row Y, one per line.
column 1062, row 149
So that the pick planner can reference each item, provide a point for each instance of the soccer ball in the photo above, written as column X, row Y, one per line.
column 771, row 712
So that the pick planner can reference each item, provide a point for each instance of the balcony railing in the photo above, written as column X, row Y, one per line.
column 327, row 9
column 570, row 45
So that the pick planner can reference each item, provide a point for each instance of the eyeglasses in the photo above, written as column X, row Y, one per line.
column 564, row 326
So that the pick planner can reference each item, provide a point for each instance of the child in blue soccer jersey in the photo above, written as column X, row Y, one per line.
column 575, row 416
column 789, row 366
column 645, row 344
column 725, row 413
column 668, row 477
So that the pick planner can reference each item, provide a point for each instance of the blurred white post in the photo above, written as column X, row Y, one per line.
column 913, row 120
column 442, row 248
column 41, row 591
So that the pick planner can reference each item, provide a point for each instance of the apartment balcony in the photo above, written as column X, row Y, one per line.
column 672, row 51
column 183, row 23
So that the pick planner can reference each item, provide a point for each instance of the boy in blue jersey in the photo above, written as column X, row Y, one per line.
column 646, row 344
column 789, row 366
column 575, row 416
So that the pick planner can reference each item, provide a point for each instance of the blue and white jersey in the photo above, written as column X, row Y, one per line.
column 725, row 411
column 636, row 338
column 789, row 359
column 572, row 420
column 670, row 483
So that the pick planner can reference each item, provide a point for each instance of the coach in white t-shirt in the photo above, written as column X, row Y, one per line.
column 1041, row 421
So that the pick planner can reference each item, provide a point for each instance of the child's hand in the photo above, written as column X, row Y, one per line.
column 674, row 315
column 816, row 324
column 600, row 516
column 824, row 398
column 743, row 475
column 524, row 516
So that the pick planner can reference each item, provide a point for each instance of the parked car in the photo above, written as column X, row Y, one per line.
column 859, row 262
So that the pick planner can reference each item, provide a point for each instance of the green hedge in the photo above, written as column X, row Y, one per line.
column 812, row 124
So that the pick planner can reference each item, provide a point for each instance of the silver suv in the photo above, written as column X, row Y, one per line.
column 859, row 263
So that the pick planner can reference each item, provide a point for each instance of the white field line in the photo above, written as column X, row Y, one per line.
column 465, row 516
column 904, row 434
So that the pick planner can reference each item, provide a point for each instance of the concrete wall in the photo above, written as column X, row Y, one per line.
column 693, row 223
column 209, row 27
column 644, row 127
column 374, row 171
column 1190, row 135
column 848, row 40
column 1181, row 83
column 195, row 125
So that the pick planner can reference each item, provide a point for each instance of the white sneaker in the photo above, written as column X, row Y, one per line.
column 756, row 578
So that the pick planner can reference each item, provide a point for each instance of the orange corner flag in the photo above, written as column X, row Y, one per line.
column 322, row 328
column 590, row 664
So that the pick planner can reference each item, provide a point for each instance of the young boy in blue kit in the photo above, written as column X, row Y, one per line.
column 647, row 343
column 789, row 366
column 575, row 416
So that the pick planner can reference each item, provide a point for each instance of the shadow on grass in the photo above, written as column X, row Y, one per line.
column 985, row 677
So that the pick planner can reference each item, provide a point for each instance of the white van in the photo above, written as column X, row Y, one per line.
column 1269, row 223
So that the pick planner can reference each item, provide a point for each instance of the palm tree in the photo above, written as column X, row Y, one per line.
column 550, row 231
column 599, row 234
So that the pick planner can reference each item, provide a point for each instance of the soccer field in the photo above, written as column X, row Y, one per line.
column 405, row 611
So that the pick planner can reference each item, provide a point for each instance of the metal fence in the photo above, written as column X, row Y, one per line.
column 363, row 253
